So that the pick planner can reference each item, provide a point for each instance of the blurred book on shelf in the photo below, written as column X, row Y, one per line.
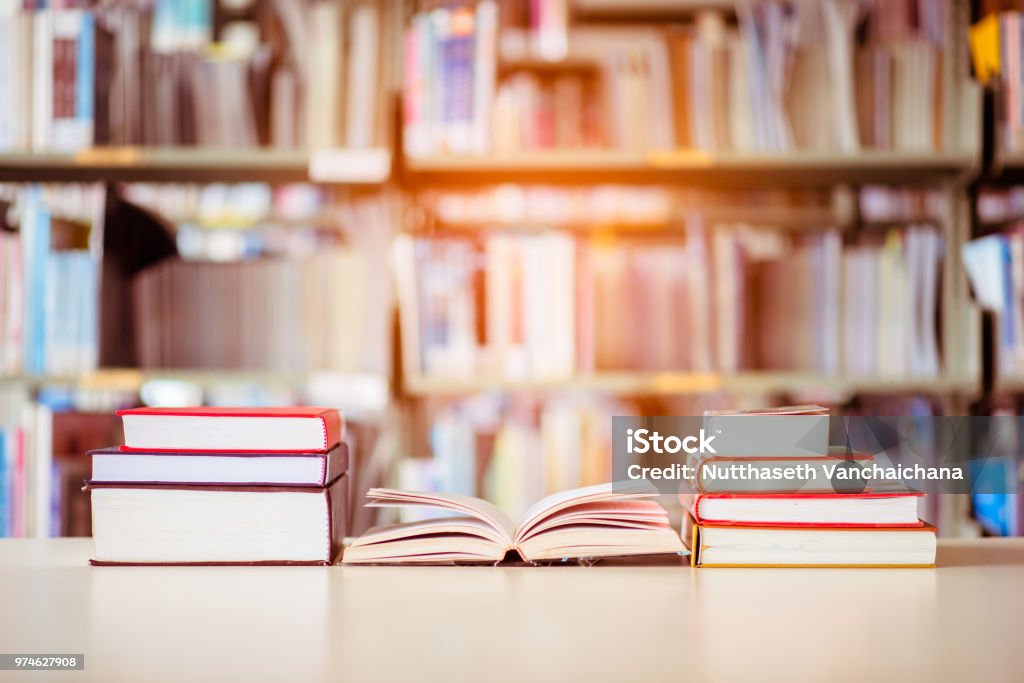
column 50, row 285
column 246, row 246
column 996, row 205
column 233, row 205
column 541, row 205
column 950, row 513
column 739, row 297
column 42, row 465
column 766, row 77
column 996, row 471
column 292, row 75
column 268, row 315
column 74, row 433
column 293, row 290
column 1009, row 113
column 995, row 265
column 512, row 451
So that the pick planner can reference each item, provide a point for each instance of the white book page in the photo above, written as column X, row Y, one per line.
column 471, row 526
column 546, row 507
column 467, row 505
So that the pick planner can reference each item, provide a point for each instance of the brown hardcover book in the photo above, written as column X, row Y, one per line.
column 187, row 524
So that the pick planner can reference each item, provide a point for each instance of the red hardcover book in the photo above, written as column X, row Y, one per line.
column 723, row 545
column 231, row 430
column 819, row 510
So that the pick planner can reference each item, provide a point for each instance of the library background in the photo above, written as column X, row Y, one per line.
column 482, row 229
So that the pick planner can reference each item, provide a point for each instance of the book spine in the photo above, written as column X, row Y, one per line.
column 8, row 78
column 5, row 485
column 457, row 61
column 85, row 81
column 485, row 58
column 42, row 80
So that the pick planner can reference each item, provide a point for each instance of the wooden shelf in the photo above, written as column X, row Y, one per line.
column 131, row 379
column 681, row 384
column 692, row 168
column 370, row 167
column 184, row 164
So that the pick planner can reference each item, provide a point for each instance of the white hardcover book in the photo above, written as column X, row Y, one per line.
column 932, row 248
column 42, row 80
column 661, row 131
column 699, row 328
column 23, row 80
column 363, row 75
column 8, row 82
column 831, row 308
column 740, row 127
column 485, row 57
column 39, row 469
column 727, row 294
column 840, row 24
column 324, row 75
column 563, row 260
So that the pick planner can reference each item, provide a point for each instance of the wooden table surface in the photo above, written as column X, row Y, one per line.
column 961, row 621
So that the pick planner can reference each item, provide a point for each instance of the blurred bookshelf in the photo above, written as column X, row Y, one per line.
column 482, row 137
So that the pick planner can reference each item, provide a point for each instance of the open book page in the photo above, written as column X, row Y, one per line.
column 555, row 503
column 592, row 522
column 597, row 521
column 467, row 505
column 593, row 542
column 471, row 526
column 625, row 514
column 444, row 540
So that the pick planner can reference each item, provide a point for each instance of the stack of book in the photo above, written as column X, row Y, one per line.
column 221, row 486
column 802, row 522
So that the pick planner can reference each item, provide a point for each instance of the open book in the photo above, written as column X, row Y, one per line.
column 588, row 523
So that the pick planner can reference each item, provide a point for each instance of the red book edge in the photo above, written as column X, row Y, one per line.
column 330, row 418
column 919, row 526
column 695, row 511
